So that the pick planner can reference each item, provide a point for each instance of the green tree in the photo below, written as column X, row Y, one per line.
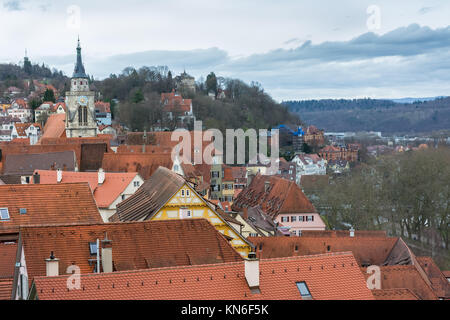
column 211, row 83
column 49, row 95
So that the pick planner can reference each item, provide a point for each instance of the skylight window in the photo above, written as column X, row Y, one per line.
column 4, row 214
column 93, row 248
column 23, row 211
column 304, row 291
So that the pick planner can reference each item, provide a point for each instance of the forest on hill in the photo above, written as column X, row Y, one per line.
column 135, row 97
column 375, row 115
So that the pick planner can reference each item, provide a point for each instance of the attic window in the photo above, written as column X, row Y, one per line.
column 23, row 211
column 4, row 214
column 304, row 291
column 93, row 248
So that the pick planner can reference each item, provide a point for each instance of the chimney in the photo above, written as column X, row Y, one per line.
column 252, row 271
column 36, row 178
column 352, row 232
column 101, row 176
column 58, row 176
column 52, row 265
column 245, row 214
column 107, row 254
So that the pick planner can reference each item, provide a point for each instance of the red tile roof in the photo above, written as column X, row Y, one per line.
column 139, row 148
column 439, row 282
column 135, row 245
column 282, row 196
column 104, row 194
column 145, row 163
column 6, row 285
column 405, row 277
column 367, row 250
column 104, row 107
column 173, row 102
column 47, row 204
column 55, row 106
column 8, row 252
column 55, row 127
column 328, row 277
column 394, row 294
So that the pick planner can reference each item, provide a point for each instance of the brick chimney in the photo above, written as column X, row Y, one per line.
column 36, row 178
column 101, row 176
column 52, row 266
column 252, row 271
column 107, row 263
column 59, row 175
column 245, row 214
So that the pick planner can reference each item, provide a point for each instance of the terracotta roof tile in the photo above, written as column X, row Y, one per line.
column 282, row 196
column 408, row 277
column 394, row 294
column 328, row 277
column 145, row 163
column 367, row 250
column 47, row 204
column 439, row 283
column 8, row 252
column 104, row 194
column 135, row 245
column 6, row 285
column 55, row 127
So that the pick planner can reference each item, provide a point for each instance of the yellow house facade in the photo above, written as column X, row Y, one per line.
column 186, row 203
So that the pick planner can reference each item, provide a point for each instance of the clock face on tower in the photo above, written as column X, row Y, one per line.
column 83, row 101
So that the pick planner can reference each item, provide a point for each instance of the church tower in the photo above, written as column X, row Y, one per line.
column 80, row 103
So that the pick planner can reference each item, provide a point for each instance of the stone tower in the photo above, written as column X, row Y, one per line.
column 80, row 115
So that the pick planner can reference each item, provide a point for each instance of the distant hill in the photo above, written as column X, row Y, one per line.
column 374, row 115
column 412, row 100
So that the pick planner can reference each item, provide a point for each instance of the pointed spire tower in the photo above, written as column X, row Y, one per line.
column 79, row 68
column 80, row 103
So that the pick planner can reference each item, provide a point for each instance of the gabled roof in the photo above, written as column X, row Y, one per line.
column 258, row 219
column 104, row 194
column 55, row 127
column 327, row 277
column 55, row 107
column 439, row 282
column 135, row 245
column 103, row 107
column 150, row 197
column 367, row 250
column 405, row 277
column 144, row 163
column 25, row 164
column 173, row 102
column 67, row 203
column 281, row 196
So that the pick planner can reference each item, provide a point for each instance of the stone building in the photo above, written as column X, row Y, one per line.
column 80, row 102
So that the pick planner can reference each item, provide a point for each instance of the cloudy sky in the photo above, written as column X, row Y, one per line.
column 296, row 49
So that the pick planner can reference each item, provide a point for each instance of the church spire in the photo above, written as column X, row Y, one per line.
column 79, row 68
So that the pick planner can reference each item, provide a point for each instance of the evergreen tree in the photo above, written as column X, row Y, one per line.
column 49, row 95
column 211, row 83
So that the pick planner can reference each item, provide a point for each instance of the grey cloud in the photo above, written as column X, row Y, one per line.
column 406, row 41
column 404, row 60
